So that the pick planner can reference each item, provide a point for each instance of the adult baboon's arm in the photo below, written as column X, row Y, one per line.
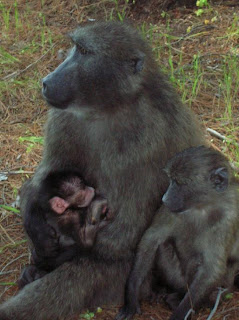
column 67, row 290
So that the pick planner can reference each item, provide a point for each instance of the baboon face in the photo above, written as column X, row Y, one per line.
column 102, row 68
column 63, row 190
column 196, row 176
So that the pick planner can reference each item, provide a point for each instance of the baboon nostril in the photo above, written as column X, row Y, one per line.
column 44, row 86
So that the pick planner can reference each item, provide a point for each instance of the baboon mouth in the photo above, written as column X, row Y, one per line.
column 181, row 212
column 58, row 105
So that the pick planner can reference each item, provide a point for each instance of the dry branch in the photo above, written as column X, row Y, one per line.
column 218, row 135
column 220, row 292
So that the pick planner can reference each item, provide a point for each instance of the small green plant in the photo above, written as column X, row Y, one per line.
column 169, row 39
column 32, row 141
column 201, row 4
column 6, row 15
column 182, row 78
column 199, row 12
column 164, row 14
column 227, row 93
column 197, row 75
column 229, row 296
column 121, row 10
column 6, row 58
column 16, row 16
column 229, row 84
column 88, row 315
column 45, row 32
column 233, row 31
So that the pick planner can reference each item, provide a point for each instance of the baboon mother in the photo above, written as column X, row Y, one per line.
column 116, row 119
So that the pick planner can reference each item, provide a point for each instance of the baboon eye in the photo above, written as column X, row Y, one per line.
column 81, row 49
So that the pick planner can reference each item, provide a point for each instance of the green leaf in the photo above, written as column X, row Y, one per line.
column 229, row 296
column 8, row 284
column 32, row 139
column 9, row 208
column 7, row 57
column 88, row 315
column 202, row 3
column 199, row 12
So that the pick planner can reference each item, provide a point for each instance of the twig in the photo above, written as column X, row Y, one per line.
column 188, row 315
column 220, row 292
column 215, row 147
column 7, row 235
column 14, row 260
column 16, row 73
column 12, row 245
column 218, row 135
column 5, row 290
column 228, row 310
column 7, row 272
column 15, row 172
column 202, row 29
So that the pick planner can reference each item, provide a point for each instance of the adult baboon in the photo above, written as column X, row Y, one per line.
column 195, row 234
column 116, row 119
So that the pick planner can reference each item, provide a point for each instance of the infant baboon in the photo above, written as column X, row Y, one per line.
column 195, row 234
column 70, row 209
column 74, row 209
column 73, row 214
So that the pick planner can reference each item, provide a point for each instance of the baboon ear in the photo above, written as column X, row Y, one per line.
column 58, row 205
column 219, row 178
column 139, row 62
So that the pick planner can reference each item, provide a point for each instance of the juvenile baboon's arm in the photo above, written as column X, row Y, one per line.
column 208, row 277
column 145, row 257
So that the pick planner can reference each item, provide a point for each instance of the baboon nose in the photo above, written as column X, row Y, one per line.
column 44, row 85
column 164, row 198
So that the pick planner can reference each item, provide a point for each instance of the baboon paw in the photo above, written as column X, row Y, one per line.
column 127, row 313
column 173, row 300
column 179, row 316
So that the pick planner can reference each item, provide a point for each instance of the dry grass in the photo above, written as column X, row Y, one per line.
column 200, row 54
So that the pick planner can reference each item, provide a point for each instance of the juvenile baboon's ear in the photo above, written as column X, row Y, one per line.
column 139, row 62
column 219, row 178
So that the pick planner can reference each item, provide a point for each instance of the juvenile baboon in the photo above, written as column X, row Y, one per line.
column 116, row 119
column 194, row 235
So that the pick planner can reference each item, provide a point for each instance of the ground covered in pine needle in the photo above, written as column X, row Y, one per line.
column 199, row 53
